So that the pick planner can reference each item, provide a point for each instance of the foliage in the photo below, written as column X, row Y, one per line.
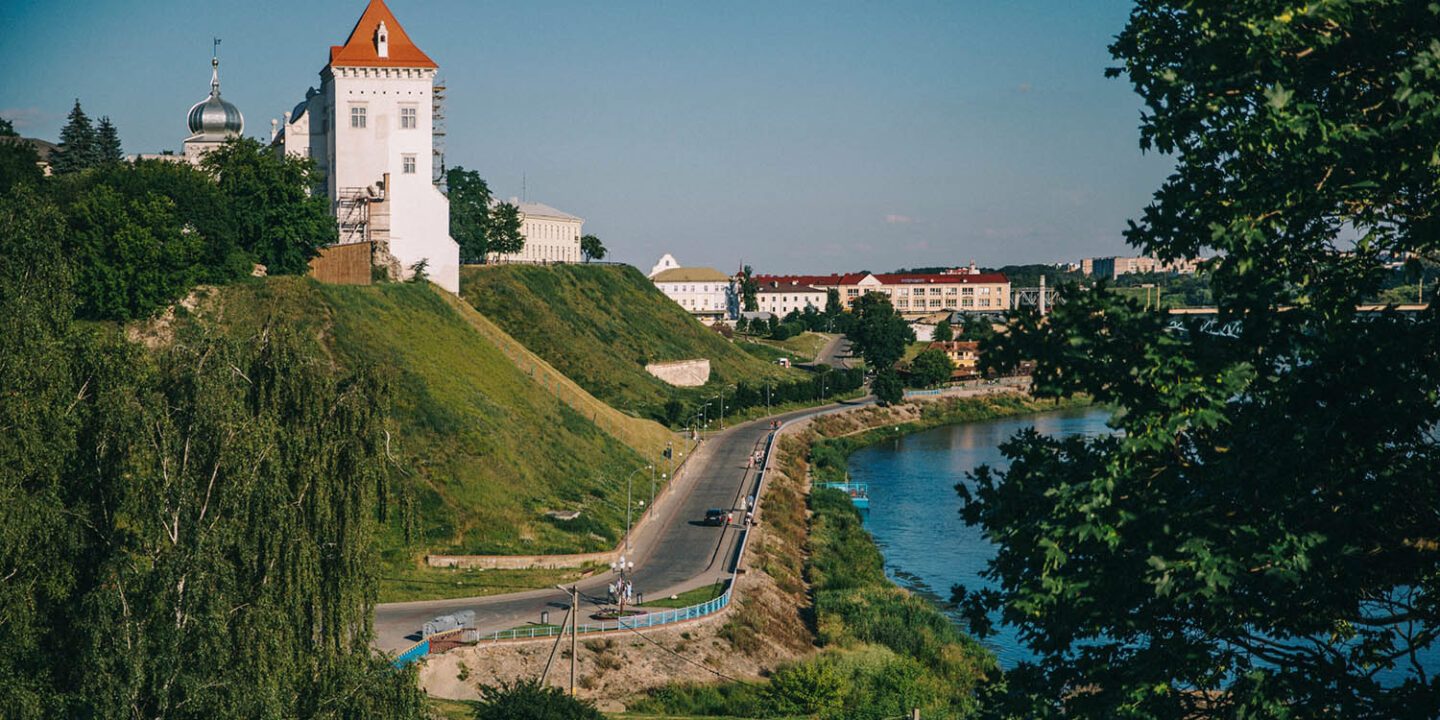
column 527, row 699
column 107, row 143
column 943, row 332
column 181, row 525
column 977, row 329
column 503, row 231
column 277, row 218
column 78, row 149
column 889, row 389
column 592, row 248
column 7, row 129
column 806, row 689
column 878, row 332
column 749, row 288
column 19, row 165
column 470, row 203
column 930, row 368
column 1248, row 547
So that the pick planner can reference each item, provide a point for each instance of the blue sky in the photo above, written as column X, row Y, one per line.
column 792, row 136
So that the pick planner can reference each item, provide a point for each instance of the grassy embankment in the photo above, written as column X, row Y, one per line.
column 885, row 650
column 601, row 325
column 486, row 437
column 801, row 349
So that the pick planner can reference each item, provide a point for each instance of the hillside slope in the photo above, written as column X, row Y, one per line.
column 601, row 324
column 484, row 446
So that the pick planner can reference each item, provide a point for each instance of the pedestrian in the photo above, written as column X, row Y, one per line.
column 729, row 518
column 749, row 517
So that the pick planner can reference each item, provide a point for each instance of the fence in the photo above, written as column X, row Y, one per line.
column 636, row 622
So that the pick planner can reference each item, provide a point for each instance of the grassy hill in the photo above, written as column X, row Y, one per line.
column 601, row 324
column 487, row 437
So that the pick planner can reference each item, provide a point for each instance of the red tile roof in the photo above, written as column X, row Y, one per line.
column 919, row 279
column 360, row 50
column 830, row 280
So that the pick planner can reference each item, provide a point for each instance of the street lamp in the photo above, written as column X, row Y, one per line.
column 630, row 503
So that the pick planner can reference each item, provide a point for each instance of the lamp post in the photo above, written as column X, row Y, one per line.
column 630, row 503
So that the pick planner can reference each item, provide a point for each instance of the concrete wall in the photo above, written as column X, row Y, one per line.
column 342, row 264
column 682, row 373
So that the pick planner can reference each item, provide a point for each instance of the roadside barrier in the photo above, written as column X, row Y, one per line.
column 635, row 622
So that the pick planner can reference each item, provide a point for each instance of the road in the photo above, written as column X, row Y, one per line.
column 835, row 353
column 675, row 553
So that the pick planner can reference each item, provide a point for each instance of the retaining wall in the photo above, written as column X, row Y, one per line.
column 682, row 373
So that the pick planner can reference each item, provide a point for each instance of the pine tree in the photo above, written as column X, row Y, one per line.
column 107, row 142
column 77, row 143
column 7, row 128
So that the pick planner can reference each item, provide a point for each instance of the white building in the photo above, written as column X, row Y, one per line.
column 211, row 122
column 780, row 299
column 551, row 236
column 370, row 130
column 704, row 292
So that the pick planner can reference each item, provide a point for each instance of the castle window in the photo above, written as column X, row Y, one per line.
column 357, row 116
column 407, row 164
column 408, row 120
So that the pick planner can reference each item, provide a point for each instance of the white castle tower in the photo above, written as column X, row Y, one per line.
column 370, row 131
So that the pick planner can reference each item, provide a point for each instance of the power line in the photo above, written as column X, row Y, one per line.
column 678, row 655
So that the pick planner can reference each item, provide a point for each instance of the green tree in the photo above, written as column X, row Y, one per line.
column 943, row 333
column 807, row 688
column 1245, row 547
column 529, row 700
column 107, row 142
column 591, row 247
column 503, row 232
column 930, row 367
column 977, row 328
column 470, row 203
column 742, row 325
column 879, row 332
column 833, row 305
column 889, row 389
column 19, row 164
column 78, row 149
column 749, row 289
column 7, row 129
column 277, row 218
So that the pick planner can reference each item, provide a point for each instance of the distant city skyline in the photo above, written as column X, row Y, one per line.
column 795, row 138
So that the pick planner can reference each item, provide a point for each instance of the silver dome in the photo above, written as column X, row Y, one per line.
column 215, row 118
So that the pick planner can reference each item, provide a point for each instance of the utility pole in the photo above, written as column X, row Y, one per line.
column 574, row 651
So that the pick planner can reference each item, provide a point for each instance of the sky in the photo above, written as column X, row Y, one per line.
column 791, row 136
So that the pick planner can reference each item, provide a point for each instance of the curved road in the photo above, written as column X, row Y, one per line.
column 672, row 553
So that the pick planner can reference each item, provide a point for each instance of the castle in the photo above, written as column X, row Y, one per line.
column 370, row 130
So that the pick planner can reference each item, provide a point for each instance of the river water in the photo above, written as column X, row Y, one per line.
column 915, row 514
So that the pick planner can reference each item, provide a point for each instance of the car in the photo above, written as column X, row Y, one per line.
column 715, row 516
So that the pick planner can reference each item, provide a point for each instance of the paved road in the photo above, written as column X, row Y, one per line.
column 835, row 353
column 674, row 553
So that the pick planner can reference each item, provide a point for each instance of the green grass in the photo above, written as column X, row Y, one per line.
column 767, row 352
column 804, row 346
column 689, row 597
column 483, row 442
column 401, row 582
column 600, row 325
column 450, row 709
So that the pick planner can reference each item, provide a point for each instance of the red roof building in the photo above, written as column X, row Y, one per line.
column 362, row 50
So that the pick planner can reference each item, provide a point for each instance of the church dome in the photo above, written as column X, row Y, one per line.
column 214, row 117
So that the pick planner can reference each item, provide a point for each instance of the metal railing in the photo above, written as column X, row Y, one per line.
column 634, row 622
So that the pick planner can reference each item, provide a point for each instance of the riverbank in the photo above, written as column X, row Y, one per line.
column 884, row 650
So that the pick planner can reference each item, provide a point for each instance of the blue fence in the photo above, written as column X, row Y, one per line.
column 634, row 622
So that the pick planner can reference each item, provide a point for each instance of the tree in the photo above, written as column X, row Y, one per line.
column 77, row 149
column 833, row 306
column 503, row 233
column 529, row 700
column 977, row 328
column 930, row 367
column 889, row 389
column 1245, row 547
column 470, row 203
column 749, row 289
column 591, row 248
column 19, row 164
column 276, row 217
column 742, row 325
column 943, row 333
column 879, row 332
column 107, row 143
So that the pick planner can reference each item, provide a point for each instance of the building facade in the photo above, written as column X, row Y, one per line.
column 782, row 299
column 370, row 130
column 964, row 356
column 914, row 294
column 551, row 236
column 1110, row 268
column 706, row 293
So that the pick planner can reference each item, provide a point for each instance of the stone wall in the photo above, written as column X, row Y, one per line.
column 682, row 373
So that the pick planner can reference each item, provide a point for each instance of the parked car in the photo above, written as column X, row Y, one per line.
column 715, row 516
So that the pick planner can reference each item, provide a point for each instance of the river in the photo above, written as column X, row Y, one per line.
column 915, row 514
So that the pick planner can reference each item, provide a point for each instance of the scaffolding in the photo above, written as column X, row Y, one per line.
column 437, row 133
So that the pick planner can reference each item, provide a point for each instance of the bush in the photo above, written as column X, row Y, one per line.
column 529, row 700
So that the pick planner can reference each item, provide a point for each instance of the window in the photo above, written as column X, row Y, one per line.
column 407, row 164
column 968, row 292
column 357, row 116
column 408, row 120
